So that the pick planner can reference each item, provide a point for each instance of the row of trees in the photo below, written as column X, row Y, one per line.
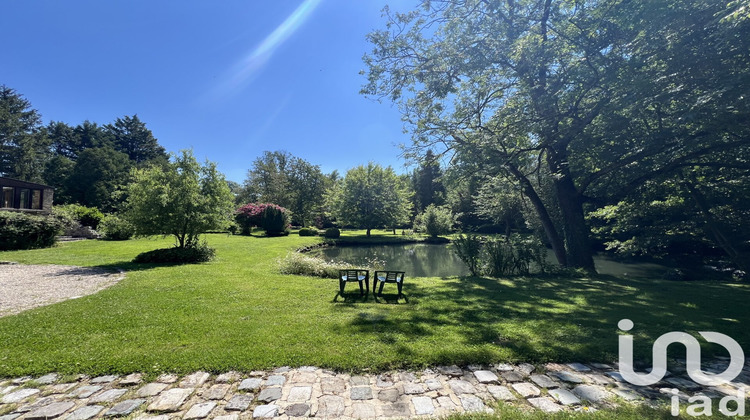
column 368, row 197
column 608, row 111
column 85, row 163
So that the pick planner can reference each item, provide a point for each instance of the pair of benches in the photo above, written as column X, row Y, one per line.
column 363, row 276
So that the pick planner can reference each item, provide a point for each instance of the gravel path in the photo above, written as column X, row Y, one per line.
column 24, row 287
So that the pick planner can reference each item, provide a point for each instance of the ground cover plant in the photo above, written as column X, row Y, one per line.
column 239, row 312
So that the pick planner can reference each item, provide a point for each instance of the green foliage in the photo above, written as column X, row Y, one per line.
column 286, row 180
column 427, row 183
column 130, row 136
column 435, row 221
column 86, row 216
column 22, row 145
column 27, row 231
column 469, row 249
column 306, row 265
column 302, row 264
column 651, row 99
column 114, row 228
column 275, row 221
column 97, row 175
column 332, row 233
column 197, row 253
column 182, row 198
column 308, row 232
column 371, row 197
column 514, row 255
column 498, row 257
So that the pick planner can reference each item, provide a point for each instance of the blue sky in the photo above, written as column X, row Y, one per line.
column 228, row 78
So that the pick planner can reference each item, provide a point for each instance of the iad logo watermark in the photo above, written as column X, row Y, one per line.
column 701, row 404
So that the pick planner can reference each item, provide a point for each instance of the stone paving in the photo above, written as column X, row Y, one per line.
column 312, row 392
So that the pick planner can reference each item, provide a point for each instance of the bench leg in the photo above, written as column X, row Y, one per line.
column 341, row 287
column 380, row 292
column 400, row 285
column 361, row 289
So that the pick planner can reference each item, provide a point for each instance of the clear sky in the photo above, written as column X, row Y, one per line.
column 228, row 78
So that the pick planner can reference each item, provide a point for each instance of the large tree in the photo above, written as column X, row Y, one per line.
column 517, row 85
column 130, row 136
column 23, row 147
column 427, row 183
column 371, row 197
column 96, row 176
column 182, row 199
column 291, row 182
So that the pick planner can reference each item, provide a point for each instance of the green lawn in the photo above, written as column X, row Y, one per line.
column 238, row 313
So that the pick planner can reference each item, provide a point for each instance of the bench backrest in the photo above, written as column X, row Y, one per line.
column 390, row 276
column 352, row 274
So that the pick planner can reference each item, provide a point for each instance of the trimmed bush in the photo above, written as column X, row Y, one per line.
column 332, row 233
column 114, row 228
column 26, row 231
column 251, row 215
column 195, row 254
column 308, row 232
column 275, row 221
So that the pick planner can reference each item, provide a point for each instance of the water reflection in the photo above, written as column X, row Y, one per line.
column 439, row 260
column 417, row 260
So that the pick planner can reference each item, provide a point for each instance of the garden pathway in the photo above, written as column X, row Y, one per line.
column 313, row 392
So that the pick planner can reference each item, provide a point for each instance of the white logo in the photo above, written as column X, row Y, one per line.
column 700, row 404
column 693, row 357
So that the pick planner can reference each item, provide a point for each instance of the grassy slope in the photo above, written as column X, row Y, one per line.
column 239, row 313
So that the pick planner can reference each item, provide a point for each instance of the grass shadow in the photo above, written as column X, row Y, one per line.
column 540, row 319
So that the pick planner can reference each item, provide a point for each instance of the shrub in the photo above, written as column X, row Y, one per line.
column 435, row 221
column 496, row 257
column 307, row 265
column 469, row 248
column 332, row 233
column 114, row 228
column 86, row 216
column 275, row 220
column 26, row 231
column 194, row 254
column 308, row 232
column 251, row 215
column 323, row 221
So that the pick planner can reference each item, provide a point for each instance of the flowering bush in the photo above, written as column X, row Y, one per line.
column 251, row 215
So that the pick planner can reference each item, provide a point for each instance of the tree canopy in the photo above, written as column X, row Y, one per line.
column 371, row 197
column 599, row 97
column 182, row 198
column 291, row 182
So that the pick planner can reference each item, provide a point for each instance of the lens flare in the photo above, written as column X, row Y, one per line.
column 246, row 69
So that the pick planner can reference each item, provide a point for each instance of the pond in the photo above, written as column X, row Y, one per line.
column 439, row 260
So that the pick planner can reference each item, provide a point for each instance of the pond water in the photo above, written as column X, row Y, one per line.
column 439, row 260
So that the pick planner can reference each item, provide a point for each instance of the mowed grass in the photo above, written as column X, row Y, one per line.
column 239, row 313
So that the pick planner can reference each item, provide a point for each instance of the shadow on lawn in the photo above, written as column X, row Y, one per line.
column 131, row 266
column 562, row 319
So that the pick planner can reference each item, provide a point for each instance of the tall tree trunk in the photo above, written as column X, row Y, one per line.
column 558, row 246
column 368, row 232
column 571, row 206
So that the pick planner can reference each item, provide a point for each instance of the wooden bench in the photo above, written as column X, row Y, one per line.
column 387, row 276
column 358, row 275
